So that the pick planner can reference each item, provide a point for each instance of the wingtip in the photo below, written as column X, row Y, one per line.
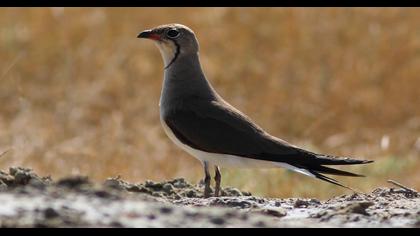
column 337, row 160
column 356, row 161
column 365, row 162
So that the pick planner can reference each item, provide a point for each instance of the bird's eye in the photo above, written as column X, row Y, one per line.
column 172, row 33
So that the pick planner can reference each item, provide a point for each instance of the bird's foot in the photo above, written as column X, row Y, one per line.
column 217, row 191
column 207, row 191
column 217, row 179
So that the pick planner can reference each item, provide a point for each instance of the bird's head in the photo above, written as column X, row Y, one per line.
column 173, row 41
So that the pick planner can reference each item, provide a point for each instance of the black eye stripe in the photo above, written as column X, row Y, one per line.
column 172, row 33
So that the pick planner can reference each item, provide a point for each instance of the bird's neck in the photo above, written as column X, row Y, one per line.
column 185, row 80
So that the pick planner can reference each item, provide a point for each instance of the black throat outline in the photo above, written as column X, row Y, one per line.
column 176, row 54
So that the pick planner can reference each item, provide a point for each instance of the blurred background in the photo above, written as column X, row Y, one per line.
column 79, row 92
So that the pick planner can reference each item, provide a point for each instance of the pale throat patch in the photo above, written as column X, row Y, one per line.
column 167, row 50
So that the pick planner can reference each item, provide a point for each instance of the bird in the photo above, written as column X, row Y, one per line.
column 198, row 120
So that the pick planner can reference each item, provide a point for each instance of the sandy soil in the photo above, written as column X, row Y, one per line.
column 27, row 200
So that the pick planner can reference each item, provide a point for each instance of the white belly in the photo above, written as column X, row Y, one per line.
column 225, row 160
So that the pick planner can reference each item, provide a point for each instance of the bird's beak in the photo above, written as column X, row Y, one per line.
column 148, row 34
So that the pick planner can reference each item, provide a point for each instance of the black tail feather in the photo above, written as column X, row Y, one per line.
column 330, row 180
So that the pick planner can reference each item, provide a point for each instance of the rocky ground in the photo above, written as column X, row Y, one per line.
column 27, row 200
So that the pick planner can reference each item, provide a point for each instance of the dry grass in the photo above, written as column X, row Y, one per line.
column 79, row 93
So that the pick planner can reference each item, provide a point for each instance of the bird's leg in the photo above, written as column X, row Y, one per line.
column 207, row 180
column 218, row 179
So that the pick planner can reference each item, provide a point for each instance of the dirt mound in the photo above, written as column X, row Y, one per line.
column 172, row 189
column 32, row 201
column 19, row 176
